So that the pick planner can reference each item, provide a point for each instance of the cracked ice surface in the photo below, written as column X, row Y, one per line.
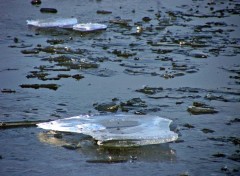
column 117, row 130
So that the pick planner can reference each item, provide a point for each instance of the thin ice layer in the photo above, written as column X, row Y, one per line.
column 53, row 22
column 86, row 27
column 117, row 130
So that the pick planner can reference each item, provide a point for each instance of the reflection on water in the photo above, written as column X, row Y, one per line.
column 87, row 146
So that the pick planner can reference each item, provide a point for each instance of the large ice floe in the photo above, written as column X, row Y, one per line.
column 117, row 130
column 53, row 22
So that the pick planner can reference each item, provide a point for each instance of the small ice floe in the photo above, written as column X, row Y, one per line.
column 117, row 130
column 88, row 27
column 53, row 22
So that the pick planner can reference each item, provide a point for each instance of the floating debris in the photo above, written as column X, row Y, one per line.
column 60, row 50
column 210, row 96
column 146, row 19
column 30, row 51
column 232, row 139
column 219, row 155
column 107, row 107
column 37, row 74
column 133, row 103
column 198, row 54
column 36, row 2
column 124, row 54
column 206, row 130
column 20, row 124
column 104, row 12
column 77, row 76
column 55, row 41
column 71, row 146
column 108, row 161
column 198, row 110
column 187, row 125
column 48, row 10
column 150, row 90
column 235, row 157
column 8, row 91
column 117, row 130
column 235, row 120
column 53, row 22
column 122, row 22
column 50, row 68
column 38, row 86
column 88, row 27
column 201, row 108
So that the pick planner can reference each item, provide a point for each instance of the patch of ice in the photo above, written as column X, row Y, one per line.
column 53, row 22
column 117, row 130
column 87, row 27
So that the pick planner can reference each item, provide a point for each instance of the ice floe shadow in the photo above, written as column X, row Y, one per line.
column 87, row 146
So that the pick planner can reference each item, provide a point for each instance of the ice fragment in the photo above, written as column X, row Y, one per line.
column 53, row 22
column 87, row 27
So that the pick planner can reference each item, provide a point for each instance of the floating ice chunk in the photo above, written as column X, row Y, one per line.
column 58, row 22
column 117, row 130
column 87, row 27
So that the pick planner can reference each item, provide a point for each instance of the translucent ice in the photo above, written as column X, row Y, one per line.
column 86, row 27
column 117, row 130
column 53, row 22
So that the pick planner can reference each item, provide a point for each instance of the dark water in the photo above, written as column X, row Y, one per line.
column 188, row 48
